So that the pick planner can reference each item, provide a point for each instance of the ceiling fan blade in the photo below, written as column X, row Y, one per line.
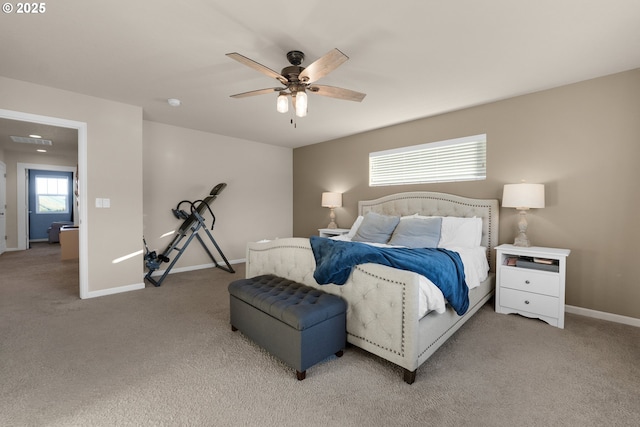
column 259, row 67
column 337, row 92
column 323, row 66
column 258, row 92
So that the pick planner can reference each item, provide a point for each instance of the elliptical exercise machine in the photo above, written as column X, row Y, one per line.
column 193, row 223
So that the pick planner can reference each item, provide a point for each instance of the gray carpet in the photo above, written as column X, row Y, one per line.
column 167, row 357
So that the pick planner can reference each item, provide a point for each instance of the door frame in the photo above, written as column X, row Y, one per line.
column 3, row 208
column 23, row 198
column 81, row 127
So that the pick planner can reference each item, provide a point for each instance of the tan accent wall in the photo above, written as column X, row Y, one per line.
column 581, row 140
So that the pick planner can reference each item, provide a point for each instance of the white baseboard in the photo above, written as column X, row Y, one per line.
column 111, row 291
column 195, row 267
column 632, row 321
column 138, row 286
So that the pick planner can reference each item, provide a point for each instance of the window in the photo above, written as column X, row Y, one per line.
column 460, row 159
column 52, row 194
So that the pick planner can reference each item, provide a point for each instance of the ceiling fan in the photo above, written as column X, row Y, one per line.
column 298, row 80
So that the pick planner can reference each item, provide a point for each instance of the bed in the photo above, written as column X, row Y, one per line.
column 383, row 315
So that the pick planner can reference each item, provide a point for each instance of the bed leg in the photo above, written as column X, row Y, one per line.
column 409, row 376
column 339, row 353
column 233, row 328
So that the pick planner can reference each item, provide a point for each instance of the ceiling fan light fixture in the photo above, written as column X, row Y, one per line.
column 282, row 104
column 301, row 103
column 295, row 79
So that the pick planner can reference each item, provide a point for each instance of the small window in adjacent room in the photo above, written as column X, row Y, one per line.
column 460, row 159
column 52, row 194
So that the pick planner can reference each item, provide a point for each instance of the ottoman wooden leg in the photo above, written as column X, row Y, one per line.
column 301, row 375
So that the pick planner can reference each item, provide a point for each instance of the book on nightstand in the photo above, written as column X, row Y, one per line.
column 543, row 264
column 511, row 261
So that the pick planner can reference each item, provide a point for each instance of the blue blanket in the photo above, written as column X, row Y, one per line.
column 335, row 259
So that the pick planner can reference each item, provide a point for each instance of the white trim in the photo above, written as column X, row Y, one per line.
column 632, row 321
column 82, row 180
column 22, row 202
column 3, row 207
column 111, row 291
column 195, row 267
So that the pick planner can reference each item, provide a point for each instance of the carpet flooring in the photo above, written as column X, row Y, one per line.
column 167, row 357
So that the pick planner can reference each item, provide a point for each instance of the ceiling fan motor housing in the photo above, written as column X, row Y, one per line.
column 292, row 72
column 297, row 79
column 295, row 57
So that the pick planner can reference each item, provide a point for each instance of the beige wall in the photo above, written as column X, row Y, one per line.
column 178, row 164
column 114, row 156
column 582, row 141
column 184, row 164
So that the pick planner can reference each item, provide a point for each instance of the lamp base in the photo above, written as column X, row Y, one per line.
column 522, row 240
column 332, row 217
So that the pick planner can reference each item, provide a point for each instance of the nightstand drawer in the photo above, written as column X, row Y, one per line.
column 541, row 305
column 530, row 281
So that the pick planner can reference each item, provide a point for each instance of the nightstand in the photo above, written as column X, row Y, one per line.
column 530, row 281
column 331, row 232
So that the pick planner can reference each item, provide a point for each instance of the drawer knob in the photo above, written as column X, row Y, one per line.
column 527, row 282
column 526, row 301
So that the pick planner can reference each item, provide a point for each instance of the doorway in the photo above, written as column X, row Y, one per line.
column 21, row 205
column 50, row 201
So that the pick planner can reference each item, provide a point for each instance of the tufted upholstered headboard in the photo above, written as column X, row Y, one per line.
column 441, row 204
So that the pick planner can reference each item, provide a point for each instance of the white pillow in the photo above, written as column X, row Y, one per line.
column 461, row 232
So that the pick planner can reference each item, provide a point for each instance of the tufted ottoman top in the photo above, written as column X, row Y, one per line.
column 293, row 303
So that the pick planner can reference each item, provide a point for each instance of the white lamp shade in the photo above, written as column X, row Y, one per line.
column 301, row 104
column 282, row 104
column 523, row 196
column 331, row 200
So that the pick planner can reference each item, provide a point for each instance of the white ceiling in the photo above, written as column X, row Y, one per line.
column 65, row 140
column 413, row 58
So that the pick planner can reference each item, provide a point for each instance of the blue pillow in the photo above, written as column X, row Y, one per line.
column 376, row 228
column 417, row 233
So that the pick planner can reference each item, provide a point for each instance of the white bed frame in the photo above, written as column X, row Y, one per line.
column 382, row 315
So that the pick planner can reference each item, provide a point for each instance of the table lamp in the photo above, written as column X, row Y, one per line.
column 523, row 197
column 332, row 201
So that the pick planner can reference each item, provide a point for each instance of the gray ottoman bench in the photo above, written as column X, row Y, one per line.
column 298, row 324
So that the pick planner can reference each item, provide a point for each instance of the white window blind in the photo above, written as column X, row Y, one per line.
column 460, row 159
